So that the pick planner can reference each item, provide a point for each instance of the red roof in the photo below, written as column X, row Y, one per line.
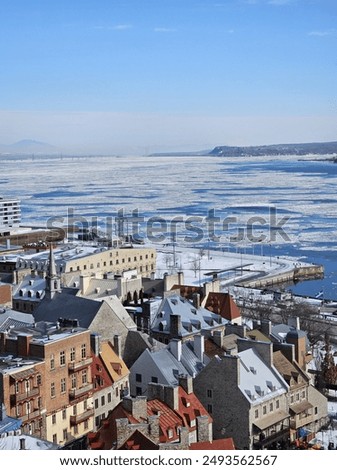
column 100, row 377
column 169, row 420
column 190, row 408
column 218, row 444
column 222, row 304
column 137, row 441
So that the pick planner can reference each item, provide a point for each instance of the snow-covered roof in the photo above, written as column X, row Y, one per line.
column 192, row 319
column 258, row 381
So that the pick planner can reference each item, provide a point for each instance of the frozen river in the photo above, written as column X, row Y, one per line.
column 274, row 206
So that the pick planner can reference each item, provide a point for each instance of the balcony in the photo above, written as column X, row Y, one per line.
column 33, row 415
column 19, row 397
column 263, row 442
column 78, row 392
column 75, row 366
column 77, row 419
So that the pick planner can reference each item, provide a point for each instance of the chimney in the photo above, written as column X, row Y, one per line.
column 118, row 345
column 175, row 348
column 186, row 382
column 171, row 397
column 23, row 343
column 22, row 443
column 266, row 327
column 180, row 278
column 175, row 325
column 199, row 347
column 84, row 283
column 95, row 343
column 218, row 337
column 196, row 300
column 294, row 322
column 3, row 339
column 137, row 406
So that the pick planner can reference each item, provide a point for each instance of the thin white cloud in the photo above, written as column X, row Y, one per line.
column 117, row 27
column 121, row 27
column 164, row 30
column 322, row 33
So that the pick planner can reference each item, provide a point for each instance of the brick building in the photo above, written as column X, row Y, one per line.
column 51, row 393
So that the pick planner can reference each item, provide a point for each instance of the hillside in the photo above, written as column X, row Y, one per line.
column 315, row 148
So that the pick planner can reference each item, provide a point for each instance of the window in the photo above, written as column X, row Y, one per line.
column 271, row 407
column 102, row 400
column 96, row 403
column 210, row 408
column 292, row 399
column 256, row 413
column 72, row 354
column 303, row 394
column 63, row 385
column 64, row 414
column 27, row 385
column 85, row 404
column 83, row 351
column 117, row 391
column 54, row 438
column 86, row 424
column 209, row 393
column 73, row 380
column 264, row 410
column 170, row 433
column 277, row 404
column 316, row 410
column 138, row 390
column 65, row 434
column 138, row 377
column 52, row 361
column 109, row 397
column 297, row 396
column 52, row 390
column 75, row 410
column 16, row 387
column 154, row 379
column 53, row 419
column 84, row 376
column 38, row 379
column 76, row 429
column 62, row 358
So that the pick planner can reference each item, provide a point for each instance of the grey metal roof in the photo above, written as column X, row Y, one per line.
column 66, row 305
column 11, row 318
column 192, row 320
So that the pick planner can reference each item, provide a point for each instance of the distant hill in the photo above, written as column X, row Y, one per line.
column 315, row 148
column 28, row 146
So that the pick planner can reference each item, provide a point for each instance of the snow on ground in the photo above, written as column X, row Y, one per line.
column 202, row 265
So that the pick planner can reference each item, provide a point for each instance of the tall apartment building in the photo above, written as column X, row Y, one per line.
column 48, row 381
column 10, row 215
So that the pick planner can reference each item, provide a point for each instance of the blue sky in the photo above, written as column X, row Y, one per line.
column 139, row 76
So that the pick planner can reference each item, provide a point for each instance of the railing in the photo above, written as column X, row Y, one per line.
column 267, row 441
column 23, row 396
column 77, row 419
column 32, row 415
column 74, row 366
column 77, row 392
column 297, row 422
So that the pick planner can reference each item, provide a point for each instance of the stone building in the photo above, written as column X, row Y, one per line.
column 246, row 396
